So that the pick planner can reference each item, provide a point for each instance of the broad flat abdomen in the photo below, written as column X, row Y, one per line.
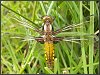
column 49, row 54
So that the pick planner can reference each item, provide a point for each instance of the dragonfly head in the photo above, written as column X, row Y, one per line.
column 47, row 19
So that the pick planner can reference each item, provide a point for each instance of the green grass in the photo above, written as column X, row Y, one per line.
column 82, row 42
column 19, row 18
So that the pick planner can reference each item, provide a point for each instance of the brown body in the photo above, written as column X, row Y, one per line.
column 48, row 39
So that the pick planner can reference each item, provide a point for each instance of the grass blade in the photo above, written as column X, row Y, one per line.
column 82, row 42
column 91, row 40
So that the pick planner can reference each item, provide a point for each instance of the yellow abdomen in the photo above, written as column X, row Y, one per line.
column 49, row 53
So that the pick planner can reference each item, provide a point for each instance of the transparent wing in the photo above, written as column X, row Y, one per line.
column 69, row 27
column 27, row 38
column 30, row 38
column 24, row 23
column 76, row 39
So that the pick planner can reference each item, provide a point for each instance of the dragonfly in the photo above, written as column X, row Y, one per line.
column 48, row 37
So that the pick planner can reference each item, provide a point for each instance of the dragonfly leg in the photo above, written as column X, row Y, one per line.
column 57, row 39
column 39, row 31
column 56, row 32
column 39, row 39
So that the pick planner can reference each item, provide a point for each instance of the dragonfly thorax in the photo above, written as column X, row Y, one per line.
column 47, row 28
column 48, row 33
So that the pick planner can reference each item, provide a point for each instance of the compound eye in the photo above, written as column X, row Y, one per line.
column 49, row 21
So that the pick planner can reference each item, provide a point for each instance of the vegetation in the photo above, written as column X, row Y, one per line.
column 21, row 55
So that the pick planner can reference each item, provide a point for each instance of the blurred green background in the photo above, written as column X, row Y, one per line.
column 19, row 18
